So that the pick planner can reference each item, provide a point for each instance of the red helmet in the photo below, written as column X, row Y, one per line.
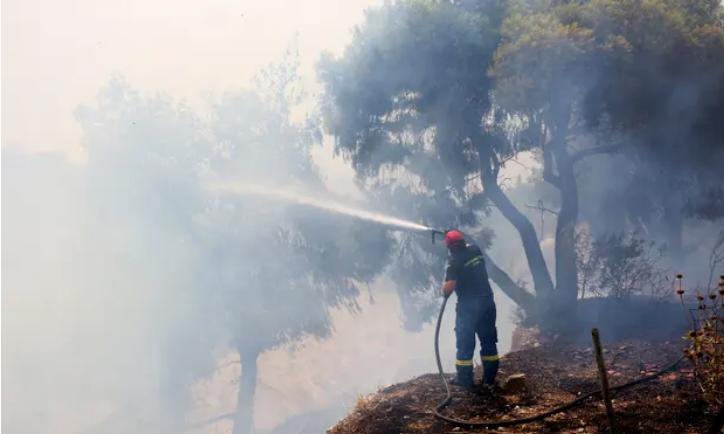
column 453, row 237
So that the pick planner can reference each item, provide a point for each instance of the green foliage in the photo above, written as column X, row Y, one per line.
column 431, row 95
column 673, row 48
column 542, row 57
column 411, row 63
column 636, row 66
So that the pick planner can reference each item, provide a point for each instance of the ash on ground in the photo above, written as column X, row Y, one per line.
column 555, row 374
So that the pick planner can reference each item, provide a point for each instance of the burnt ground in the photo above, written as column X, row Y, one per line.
column 556, row 374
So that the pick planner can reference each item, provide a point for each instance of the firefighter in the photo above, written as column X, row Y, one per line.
column 475, row 312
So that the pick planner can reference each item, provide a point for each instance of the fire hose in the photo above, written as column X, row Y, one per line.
column 510, row 422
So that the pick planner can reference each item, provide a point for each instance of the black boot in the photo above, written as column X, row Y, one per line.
column 490, row 371
column 464, row 378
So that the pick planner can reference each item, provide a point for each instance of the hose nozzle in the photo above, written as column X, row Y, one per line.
column 436, row 231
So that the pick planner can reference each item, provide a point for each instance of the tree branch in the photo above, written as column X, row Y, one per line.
column 542, row 209
column 611, row 149
column 549, row 175
column 541, row 276
column 520, row 296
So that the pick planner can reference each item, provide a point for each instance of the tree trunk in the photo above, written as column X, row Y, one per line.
column 542, row 282
column 244, row 420
column 565, row 248
column 521, row 297
column 558, row 171
column 562, row 315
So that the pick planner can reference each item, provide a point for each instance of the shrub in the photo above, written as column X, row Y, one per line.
column 706, row 337
column 621, row 265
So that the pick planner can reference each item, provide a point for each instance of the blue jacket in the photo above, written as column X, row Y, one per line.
column 466, row 266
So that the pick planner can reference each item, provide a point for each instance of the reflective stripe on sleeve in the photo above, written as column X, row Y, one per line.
column 475, row 261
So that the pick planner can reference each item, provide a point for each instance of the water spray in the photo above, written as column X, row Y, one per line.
column 393, row 223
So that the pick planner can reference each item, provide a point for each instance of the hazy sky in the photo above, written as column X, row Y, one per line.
column 57, row 55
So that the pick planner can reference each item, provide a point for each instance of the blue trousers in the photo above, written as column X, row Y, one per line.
column 476, row 316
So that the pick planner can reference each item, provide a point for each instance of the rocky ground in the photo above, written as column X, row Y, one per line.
column 554, row 375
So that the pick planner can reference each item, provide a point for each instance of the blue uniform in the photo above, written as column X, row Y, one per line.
column 475, row 314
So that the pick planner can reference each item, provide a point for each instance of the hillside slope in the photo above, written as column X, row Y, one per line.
column 555, row 375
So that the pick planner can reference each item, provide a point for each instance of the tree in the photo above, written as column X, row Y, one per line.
column 248, row 274
column 647, row 84
column 304, row 261
column 665, row 96
column 403, row 102
column 425, row 107
column 143, row 155
column 412, row 93
column 262, row 274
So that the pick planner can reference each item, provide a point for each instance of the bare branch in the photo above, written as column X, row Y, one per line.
column 472, row 177
column 541, row 208
column 515, row 160
column 504, row 182
column 502, row 161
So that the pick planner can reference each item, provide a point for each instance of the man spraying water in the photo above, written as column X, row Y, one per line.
column 475, row 312
column 465, row 275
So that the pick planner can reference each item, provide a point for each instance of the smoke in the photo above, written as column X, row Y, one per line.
column 101, row 276
column 75, row 311
column 125, row 283
column 131, row 292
